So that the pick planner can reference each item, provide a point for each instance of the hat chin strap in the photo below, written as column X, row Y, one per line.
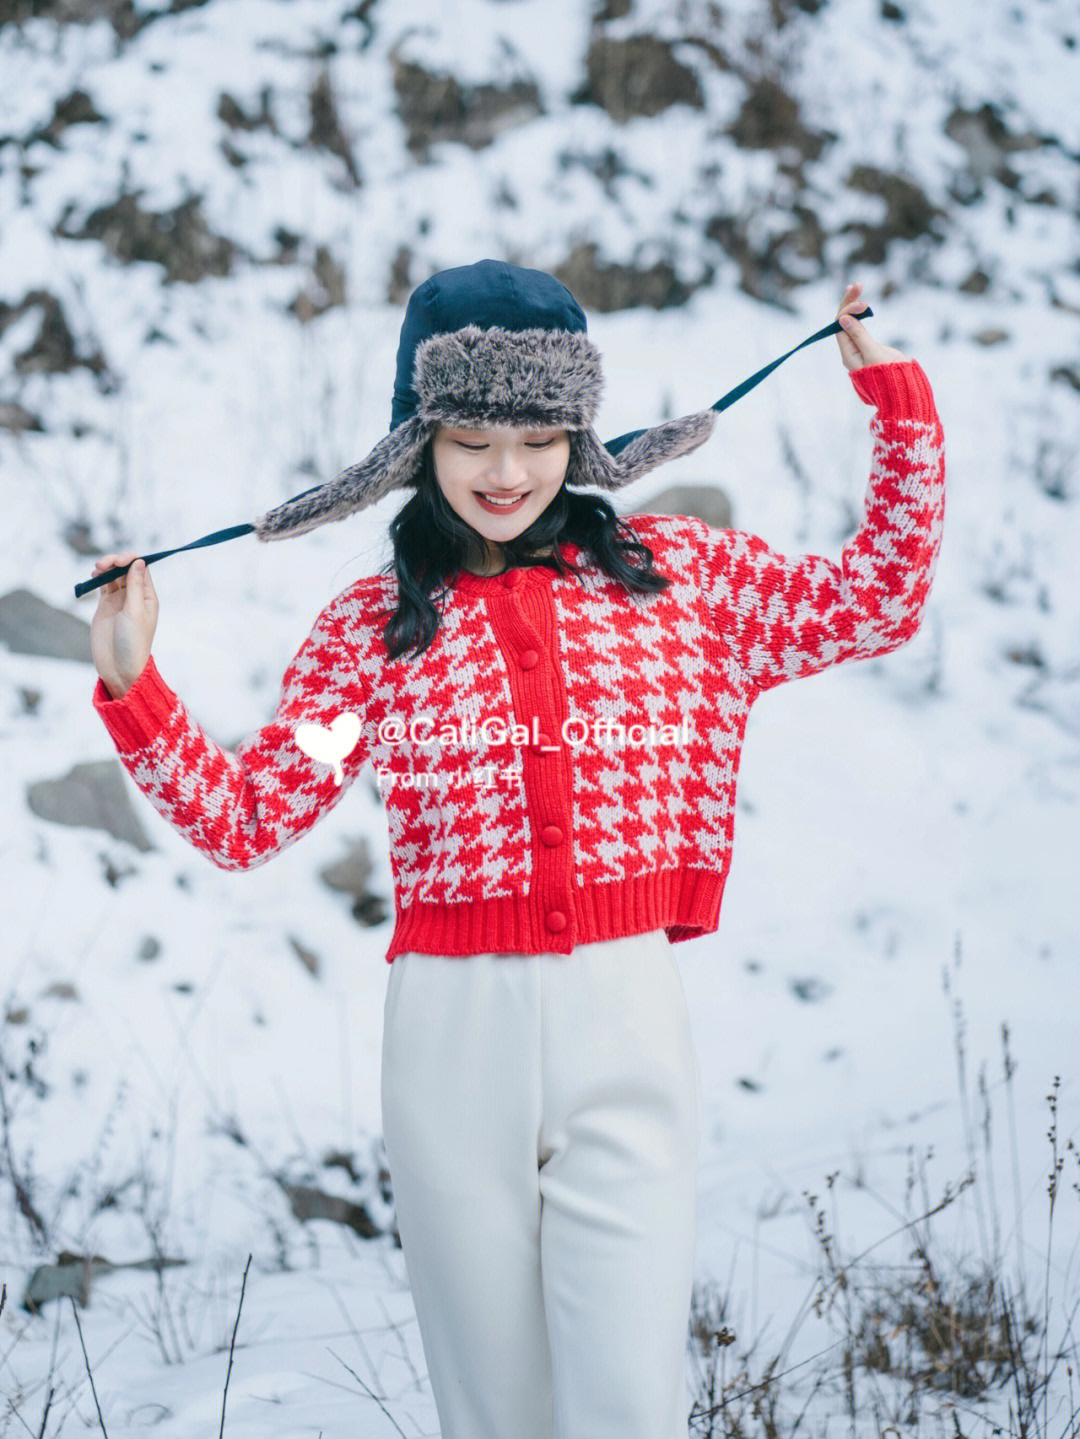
column 393, row 462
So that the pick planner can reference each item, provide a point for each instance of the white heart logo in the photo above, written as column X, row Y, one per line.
column 330, row 743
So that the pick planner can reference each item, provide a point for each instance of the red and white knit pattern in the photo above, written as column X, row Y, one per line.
column 553, row 837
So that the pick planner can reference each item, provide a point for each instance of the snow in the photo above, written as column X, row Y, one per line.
column 941, row 886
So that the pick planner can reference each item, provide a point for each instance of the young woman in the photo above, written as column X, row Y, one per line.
column 554, row 700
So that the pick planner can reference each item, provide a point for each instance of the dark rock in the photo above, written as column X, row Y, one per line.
column 784, row 10
column 79, row 538
column 328, row 293
column 60, row 989
column 371, row 910
column 707, row 502
column 91, row 794
column 987, row 140
column 769, row 268
column 769, row 119
column 308, row 1202
column 351, row 873
column 72, row 1275
column 604, row 287
column 810, row 990
column 909, row 214
column 29, row 625
column 436, row 108
column 326, row 132
column 307, row 957
column 15, row 418
column 178, row 239
column 75, row 109
column 1070, row 374
column 977, row 283
column 120, row 14
column 400, row 286
column 53, row 350
column 231, row 113
column 61, row 1281
column 607, row 166
column 636, row 76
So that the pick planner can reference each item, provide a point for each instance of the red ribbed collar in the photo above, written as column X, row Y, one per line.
column 520, row 577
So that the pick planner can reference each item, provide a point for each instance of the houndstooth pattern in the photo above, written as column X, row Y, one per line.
column 240, row 808
column 737, row 618
column 467, row 829
column 639, row 807
column 785, row 618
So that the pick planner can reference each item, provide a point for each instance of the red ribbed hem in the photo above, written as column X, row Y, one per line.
column 136, row 719
column 899, row 389
column 685, row 903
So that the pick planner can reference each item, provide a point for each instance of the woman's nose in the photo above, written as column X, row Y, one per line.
column 508, row 468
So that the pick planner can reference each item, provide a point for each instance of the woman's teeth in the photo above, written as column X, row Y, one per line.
column 502, row 499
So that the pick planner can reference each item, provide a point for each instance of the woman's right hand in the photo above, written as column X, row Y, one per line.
column 123, row 624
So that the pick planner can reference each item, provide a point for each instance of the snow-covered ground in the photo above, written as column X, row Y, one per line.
column 943, row 884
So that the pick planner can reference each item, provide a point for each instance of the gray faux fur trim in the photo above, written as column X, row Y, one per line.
column 593, row 464
column 391, row 464
column 475, row 377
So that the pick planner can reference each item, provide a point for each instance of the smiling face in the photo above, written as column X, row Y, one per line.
column 476, row 469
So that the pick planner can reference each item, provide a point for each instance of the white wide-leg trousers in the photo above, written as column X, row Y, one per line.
column 541, row 1116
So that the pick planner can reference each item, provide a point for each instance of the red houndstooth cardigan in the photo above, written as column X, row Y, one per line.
column 559, row 766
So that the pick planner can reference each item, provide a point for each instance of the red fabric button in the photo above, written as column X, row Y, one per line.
column 555, row 920
column 528, row 659
column 551, row 834
column 541, row 745
column 511, row 578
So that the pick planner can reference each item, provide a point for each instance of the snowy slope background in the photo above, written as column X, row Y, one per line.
column 210, row 217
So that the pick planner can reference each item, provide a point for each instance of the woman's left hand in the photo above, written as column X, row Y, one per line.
column 857, row 346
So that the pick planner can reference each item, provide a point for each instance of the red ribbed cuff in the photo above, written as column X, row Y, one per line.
column 899, row 389
column 136, row 719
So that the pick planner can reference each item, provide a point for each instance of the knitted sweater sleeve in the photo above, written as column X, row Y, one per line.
column 240, row 808
column 787, row 617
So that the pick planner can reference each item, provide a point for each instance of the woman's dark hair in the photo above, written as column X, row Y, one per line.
column 432, row 543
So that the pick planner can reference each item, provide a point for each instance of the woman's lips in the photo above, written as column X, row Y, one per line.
column 500, row 509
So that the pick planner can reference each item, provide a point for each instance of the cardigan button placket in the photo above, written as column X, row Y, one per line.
column 525, row 625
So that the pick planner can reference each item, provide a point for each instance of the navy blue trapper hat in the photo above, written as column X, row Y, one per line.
column 488, row 344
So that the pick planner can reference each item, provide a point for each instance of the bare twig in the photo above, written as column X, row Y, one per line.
column 45, row 1416
column 232, row 1343
column 89, row 1374
column 366, row 1390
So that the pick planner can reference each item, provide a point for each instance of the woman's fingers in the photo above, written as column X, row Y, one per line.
column 846, row 339
column 852, row 302
column 108, row 562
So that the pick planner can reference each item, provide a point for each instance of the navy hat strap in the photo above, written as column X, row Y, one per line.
column 612, row 446
column 119, row 571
